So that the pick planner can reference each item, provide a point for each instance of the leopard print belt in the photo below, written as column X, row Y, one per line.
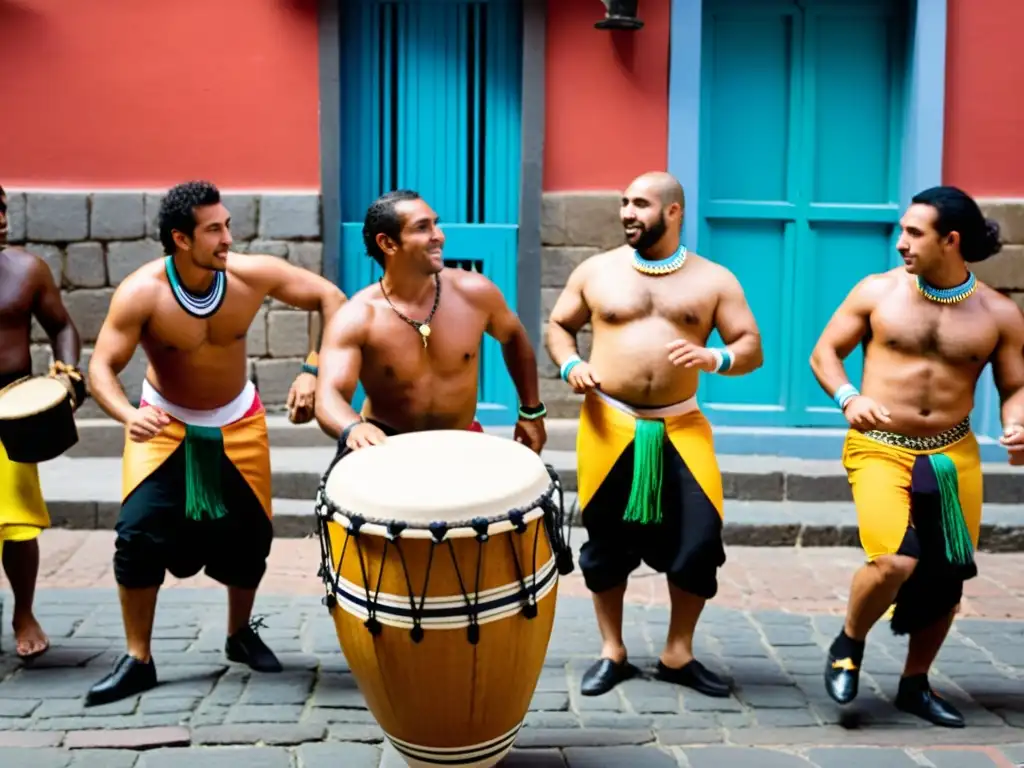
column 930, row 443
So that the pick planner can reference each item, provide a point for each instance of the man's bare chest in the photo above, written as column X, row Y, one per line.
column 16, row 295
column 631, row 298
column 398, row 350
column 955, row 335
column 172, row 328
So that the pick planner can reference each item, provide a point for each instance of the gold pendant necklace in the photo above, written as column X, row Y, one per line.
column 422, row 327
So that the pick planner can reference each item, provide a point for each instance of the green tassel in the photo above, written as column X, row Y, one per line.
column 959, row 550
column 648, row 455
column 204, row 450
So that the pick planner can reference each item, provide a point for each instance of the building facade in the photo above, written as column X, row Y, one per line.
column 799, row 129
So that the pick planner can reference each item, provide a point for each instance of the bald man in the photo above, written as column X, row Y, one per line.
column 649, row 485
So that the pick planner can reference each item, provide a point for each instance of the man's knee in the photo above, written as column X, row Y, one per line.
column 240, row 572
column 138, row 561
column 239, row 559
column 701, row 583
column 604, row 567
column 894, row 570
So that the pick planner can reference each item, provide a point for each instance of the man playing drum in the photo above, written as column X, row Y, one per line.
column 196, row 467
column 27, row 289
column 418, row 374
column 648, row 481
column 928, row 330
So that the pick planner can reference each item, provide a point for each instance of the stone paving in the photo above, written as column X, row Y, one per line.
column 214, row 714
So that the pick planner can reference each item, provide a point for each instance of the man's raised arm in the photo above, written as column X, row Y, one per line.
column 115, row 345
column 341, row 358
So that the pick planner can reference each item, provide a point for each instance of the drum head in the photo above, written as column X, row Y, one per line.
column 31, row 396
column 438, row 475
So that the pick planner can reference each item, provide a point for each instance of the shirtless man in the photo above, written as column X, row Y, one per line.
column 649, row 485
column 27, row 288
column 413, row 339
column 928, row 330
column 196, row 467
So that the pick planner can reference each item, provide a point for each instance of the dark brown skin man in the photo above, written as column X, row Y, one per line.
column 196, row 468
column 377, row 339
column 928, row 329
column 27, row 289
column 649, row 484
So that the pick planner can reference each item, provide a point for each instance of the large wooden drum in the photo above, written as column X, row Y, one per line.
column 37, row 420
column 441, row 556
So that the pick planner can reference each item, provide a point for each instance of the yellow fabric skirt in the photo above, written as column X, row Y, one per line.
column 605, row 432
column 246, row 444
column 880, row 478
column 23, row 512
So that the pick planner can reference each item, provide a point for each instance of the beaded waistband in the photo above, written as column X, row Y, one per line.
column 930, row 443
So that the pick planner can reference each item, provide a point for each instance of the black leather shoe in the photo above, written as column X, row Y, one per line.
column 916, row 697
column 604, row 675
column 693, row 675
column 129, row 677
column 842, row 679
column 246, row 647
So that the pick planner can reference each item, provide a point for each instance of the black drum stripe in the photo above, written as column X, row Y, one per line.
column 359, row 599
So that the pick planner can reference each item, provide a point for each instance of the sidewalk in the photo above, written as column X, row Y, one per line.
column 767, row 632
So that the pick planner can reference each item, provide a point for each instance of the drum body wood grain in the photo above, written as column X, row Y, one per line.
column 37, row 420
column 446, row 637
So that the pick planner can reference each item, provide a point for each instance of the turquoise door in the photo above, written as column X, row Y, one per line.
column 431, row 100
column 801, row 131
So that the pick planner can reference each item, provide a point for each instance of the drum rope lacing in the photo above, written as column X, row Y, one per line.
column 553, row 521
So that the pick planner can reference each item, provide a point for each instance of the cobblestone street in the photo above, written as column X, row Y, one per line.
column 767, row 632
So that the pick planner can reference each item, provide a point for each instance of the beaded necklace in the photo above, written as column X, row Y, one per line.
column 662, row 266
column 953, row 295
column 197, row 305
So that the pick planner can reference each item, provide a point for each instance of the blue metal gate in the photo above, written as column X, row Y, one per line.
column 431, row 100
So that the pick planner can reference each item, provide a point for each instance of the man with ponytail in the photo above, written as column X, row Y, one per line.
column 928, row 329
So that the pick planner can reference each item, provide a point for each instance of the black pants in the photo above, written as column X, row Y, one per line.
column 154, row 535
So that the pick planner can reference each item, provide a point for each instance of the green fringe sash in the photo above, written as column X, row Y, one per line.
column 959, row 550
column 648, row 459
column 204, row 451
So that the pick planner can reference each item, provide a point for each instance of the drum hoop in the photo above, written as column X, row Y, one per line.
column 36, row 412
column 457, row 529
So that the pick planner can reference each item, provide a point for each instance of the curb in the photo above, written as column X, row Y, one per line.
column 771, row 485
column 101, row 515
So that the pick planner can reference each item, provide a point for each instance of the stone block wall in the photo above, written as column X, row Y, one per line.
column 574, row 227
column 1005, row 270
column 577, row 225
column 93, row 240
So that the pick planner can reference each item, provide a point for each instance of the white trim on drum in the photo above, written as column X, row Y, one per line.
column 481, row 755
column 349, row 597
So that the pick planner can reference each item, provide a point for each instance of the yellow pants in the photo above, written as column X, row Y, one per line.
column 612, row 452
column 921, row 499
column 880, row 477
column 23, row 513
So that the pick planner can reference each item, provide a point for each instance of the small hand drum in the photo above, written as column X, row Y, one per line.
column 441, row 555
column 37, row 420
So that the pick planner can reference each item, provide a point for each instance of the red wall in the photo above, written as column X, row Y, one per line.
column 606, row 97
column 984, row 123
column 146, row 93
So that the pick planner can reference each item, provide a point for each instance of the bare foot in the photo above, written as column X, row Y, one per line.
column 30, row 640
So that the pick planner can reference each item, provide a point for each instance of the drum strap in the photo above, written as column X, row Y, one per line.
column 204, row 452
